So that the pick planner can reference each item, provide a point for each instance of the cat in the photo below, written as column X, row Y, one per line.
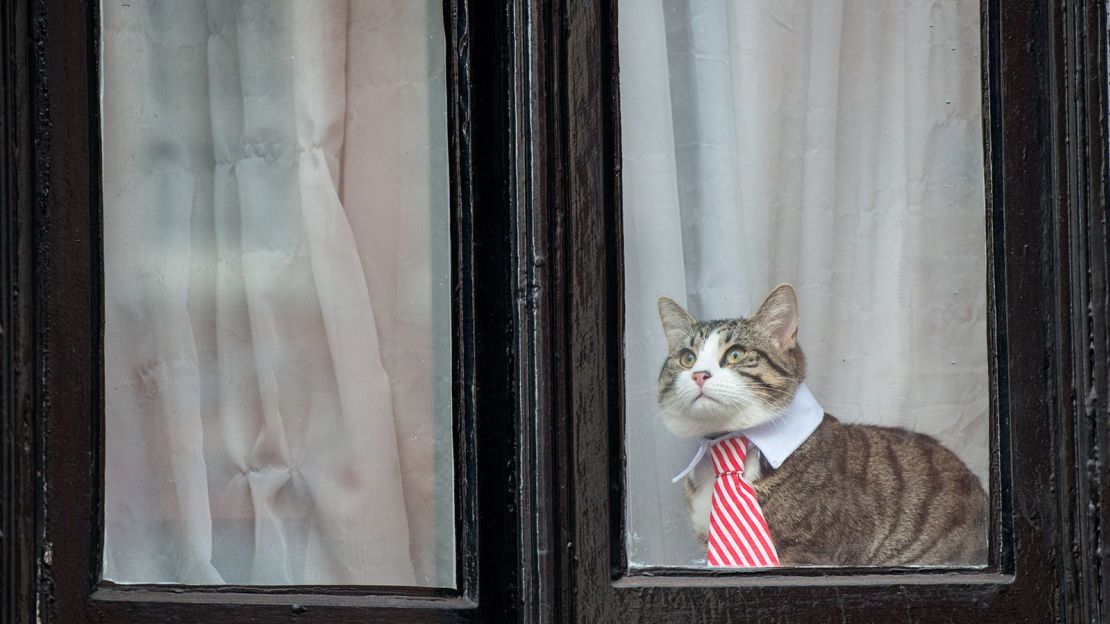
column 849, row 495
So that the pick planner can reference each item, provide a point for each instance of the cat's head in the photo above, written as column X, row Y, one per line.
column 723, row 376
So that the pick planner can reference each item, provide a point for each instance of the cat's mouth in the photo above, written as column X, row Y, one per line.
column 707, row 398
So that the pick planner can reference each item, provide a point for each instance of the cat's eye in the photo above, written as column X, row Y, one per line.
column 736, row 355
column 687, row 358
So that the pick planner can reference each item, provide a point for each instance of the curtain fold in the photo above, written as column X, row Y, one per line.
column 386, row 163
column 253, row 433
column 835, row 145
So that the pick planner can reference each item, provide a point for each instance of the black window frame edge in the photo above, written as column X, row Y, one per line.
column 1081, row 82
column 17, row 448
column 50, row 438
column 1045, row 135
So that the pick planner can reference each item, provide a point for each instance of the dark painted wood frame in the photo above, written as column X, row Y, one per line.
column 1045, row 136
column 17, row 470
column 536, row 197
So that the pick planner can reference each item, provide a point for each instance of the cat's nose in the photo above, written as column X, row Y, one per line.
column 700, row 377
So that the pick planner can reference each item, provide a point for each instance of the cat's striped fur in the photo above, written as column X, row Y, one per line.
column 850, row 495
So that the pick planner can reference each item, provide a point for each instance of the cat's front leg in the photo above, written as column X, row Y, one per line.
column 752, row 468
column 698, row 488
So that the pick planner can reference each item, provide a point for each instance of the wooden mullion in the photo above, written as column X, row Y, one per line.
column 18, row 485
column 1087, row 165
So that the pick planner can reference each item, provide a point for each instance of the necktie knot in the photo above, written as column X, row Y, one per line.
column 728, row 456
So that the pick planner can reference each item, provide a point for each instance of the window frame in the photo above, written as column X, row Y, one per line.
column 1044, row 68
column 53, row 402
column 17, row 484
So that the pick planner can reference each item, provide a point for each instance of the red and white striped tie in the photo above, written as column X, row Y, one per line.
column 738, row 535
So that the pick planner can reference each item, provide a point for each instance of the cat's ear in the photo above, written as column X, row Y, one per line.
column 677, row 322
column 779, row 315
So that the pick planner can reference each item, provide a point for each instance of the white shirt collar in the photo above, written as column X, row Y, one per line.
column 777, row 438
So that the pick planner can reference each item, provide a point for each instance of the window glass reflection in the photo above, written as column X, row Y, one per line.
column 277, row 334
column 835, row 147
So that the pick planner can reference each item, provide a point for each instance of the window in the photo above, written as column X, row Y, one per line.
column 537, row 287
column 837, row 149
column 277, row 347
column 1032, row 217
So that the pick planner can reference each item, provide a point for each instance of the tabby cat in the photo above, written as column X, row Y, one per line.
column 849, row 495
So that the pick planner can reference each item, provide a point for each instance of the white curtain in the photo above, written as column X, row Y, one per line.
column 834, row 144
column 277, row 342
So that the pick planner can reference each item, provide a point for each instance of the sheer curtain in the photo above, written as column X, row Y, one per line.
column 277, row 344
column 836, row 145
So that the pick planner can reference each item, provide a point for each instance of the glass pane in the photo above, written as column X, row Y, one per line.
column 277, row 307
column 835, row 147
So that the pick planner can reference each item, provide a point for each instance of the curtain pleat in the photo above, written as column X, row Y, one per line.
column 396, row 138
